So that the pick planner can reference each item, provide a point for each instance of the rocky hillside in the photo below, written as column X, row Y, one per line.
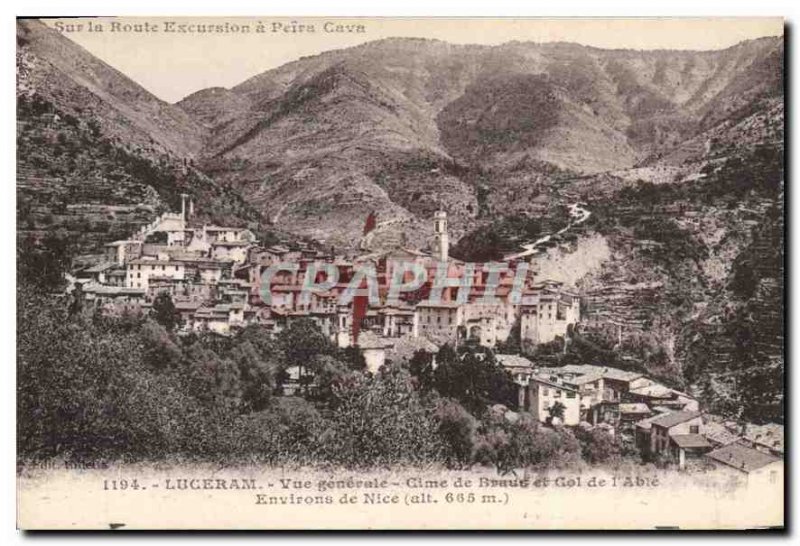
column 694, row 288
column 70, row 77
column 98, row 155
column 405, row 126
column 678, row 155
column 402, row 126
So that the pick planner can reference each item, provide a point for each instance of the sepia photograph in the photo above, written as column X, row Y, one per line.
column 400, row 273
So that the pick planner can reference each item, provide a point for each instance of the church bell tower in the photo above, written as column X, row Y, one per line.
column 442, row 241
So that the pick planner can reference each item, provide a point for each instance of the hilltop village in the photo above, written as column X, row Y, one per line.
column 214, row 275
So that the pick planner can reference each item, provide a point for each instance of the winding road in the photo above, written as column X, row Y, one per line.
column 577, row 214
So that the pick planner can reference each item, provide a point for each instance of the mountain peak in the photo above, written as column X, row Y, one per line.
column 76, row 80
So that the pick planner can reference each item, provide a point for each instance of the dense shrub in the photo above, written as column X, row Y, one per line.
column 286, row 433
column 381, row 421
column 93, row 387
column 473, row 378
column 83, row 392
column 598, row 446
column 490, row 243
column 456, row 428
column 523, row 443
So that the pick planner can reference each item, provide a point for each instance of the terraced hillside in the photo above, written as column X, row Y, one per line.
column 678, row 155
column 97, row 155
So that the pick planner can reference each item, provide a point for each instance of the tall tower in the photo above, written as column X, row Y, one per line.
column 183, row 206
column 442, row 240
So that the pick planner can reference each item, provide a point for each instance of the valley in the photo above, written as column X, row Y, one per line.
column 651, row 181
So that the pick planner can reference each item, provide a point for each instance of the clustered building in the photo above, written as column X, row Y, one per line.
column 662, row 421
column 195, row 265
column 214, row 274
column 214, row 277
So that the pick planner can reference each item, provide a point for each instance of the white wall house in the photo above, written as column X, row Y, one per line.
column 139, row 272
column 542, row 394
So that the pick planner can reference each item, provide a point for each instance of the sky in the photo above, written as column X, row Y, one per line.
column 172, row 64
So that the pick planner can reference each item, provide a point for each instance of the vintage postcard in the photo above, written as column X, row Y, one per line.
column 400, row 273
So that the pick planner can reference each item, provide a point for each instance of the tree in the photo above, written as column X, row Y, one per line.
column 43, row 263
column 164, row 311
column 259, row 362
column 420, row 366
column 381, row 420
column 77, row 299
column 456, row 429
column 474, row 378
column 260, row 339
column 523, row 444
column 301, row 343
column 213, row 380
column 84, row 392
column 353, row 358
column 160, row 351
column 331, row 377
column 598, row 446
column 556, row 411
column 257, row 376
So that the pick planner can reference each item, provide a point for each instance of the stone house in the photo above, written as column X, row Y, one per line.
column 542, row 394
column 753, row 466
column 688, row 425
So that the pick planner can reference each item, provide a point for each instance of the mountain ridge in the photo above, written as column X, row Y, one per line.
column 97, row 154
column 574, row 108
column 404, row 126
column 678, row 157
column 79, row 72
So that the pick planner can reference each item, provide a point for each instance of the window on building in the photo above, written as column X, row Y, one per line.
column 694, row 429
column 545, row 391
column 570, row 394
column 557, row 393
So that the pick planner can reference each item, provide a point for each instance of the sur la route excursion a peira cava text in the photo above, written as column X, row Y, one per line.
column 226, row 27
